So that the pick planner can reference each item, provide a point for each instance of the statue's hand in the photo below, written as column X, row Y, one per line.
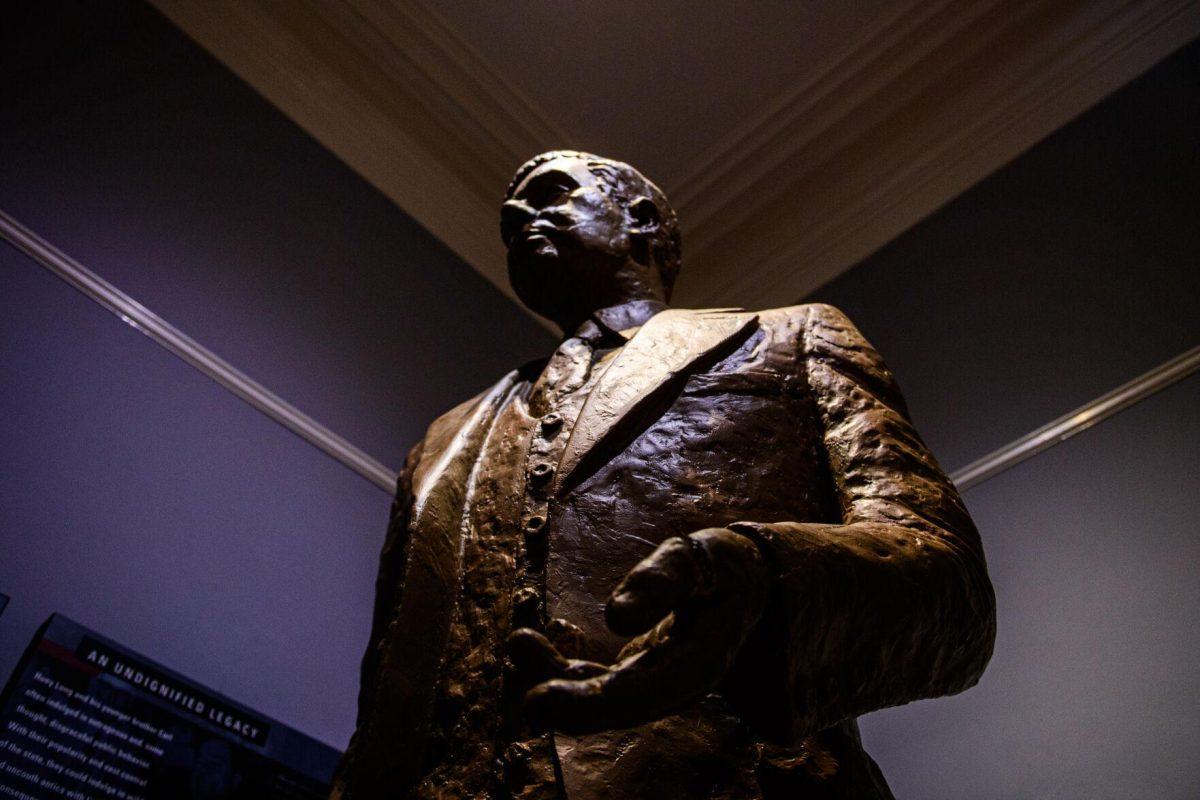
column 691, row 603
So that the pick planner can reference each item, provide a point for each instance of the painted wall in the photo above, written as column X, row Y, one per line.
column 1063, row 275
column 137, row 496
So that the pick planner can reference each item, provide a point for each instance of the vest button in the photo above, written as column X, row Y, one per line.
column 542, row 472
column 526, row 598
column 551, row 423
column 534, row 524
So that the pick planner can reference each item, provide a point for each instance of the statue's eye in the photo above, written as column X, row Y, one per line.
column 554, row 192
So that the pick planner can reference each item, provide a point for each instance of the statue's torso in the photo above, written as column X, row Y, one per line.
column 734, row 442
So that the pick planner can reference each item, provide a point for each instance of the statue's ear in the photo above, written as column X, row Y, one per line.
column 646, row 218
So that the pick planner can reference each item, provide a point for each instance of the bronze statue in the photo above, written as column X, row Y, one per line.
column 676, row 559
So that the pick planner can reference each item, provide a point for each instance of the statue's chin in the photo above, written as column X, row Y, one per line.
column 532, row 251
column 557, row 287
column 535, row 274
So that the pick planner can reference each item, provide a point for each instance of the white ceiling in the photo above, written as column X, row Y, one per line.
column 794, row 138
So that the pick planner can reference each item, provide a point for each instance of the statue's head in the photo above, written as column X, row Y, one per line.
column 585, row 232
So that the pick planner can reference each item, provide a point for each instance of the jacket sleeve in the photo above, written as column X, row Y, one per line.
column 893, row 604
column 387, row 598
column 388, row 581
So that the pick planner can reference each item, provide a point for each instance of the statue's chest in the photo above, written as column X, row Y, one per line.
column 732, row 446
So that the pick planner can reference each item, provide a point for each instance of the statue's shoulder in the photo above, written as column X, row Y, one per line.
column 802, row 313
column 824, row 333
column 792, row 322
column 805, row 314
column 445, row 427
column 816, row 325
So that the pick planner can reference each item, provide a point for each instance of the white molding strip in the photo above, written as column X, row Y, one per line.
column 1078, row 420
column 138, row 316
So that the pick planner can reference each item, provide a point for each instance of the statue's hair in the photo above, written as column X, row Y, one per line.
column 625, row 184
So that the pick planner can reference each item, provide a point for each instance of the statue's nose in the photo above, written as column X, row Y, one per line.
column 514, row 215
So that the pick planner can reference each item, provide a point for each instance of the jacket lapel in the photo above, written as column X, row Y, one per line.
column 652, row 367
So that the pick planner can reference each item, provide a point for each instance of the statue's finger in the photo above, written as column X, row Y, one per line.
column 620, row 698
column 713, row 583
column 652, row 589
column 581, row 670
column 574, row 707
column 534, row 656
column 673, row 673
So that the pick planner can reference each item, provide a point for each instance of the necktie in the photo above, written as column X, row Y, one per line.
column 567, row 370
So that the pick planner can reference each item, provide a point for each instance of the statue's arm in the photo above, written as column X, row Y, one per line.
column 387, row 598
column 388, row 581
column 893, row 604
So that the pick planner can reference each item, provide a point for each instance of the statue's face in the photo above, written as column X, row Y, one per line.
column 567, row 239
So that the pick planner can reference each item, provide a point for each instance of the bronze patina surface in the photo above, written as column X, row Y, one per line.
column 676, row 559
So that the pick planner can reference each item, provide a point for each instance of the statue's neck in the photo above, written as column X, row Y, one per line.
column 631, row 295
column 629, row 314
column 624, row 314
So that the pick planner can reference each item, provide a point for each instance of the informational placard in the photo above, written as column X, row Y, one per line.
column 87, row 719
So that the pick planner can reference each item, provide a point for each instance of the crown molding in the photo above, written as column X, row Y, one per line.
column 920, row 106
column 918, row 110
column 396, row 94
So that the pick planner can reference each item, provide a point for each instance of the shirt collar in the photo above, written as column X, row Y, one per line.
column 622, row 319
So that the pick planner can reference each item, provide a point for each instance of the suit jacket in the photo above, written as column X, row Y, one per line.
column 784, row 425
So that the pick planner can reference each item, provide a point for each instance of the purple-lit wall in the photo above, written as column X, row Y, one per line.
column 1065, row 274
column 137, row 496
